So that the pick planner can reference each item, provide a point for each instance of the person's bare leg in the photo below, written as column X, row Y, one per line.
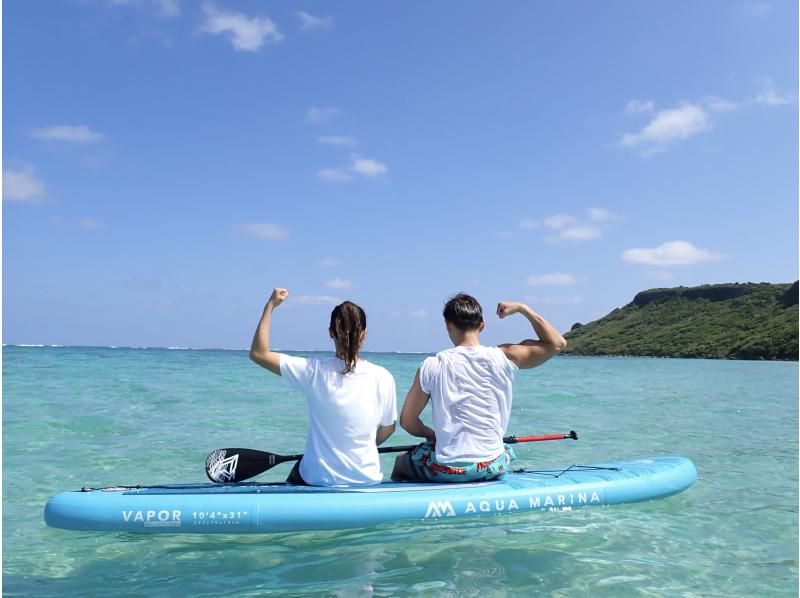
column 400, row 472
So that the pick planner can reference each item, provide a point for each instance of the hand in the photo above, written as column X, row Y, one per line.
column 278, row 296
column 508, row 308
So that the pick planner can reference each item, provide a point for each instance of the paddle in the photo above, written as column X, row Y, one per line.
column 237, row 464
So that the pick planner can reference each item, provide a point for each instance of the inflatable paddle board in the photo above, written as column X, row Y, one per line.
column 250, row 507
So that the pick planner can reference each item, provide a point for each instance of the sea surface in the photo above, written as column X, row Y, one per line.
column 75, row 417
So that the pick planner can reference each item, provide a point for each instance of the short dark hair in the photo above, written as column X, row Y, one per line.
column 464, row 312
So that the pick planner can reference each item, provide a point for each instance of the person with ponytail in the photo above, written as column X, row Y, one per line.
column 352, row 403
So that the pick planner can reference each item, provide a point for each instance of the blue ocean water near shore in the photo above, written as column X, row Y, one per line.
column 76, row 417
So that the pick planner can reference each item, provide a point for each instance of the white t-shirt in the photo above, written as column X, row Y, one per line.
column 345, row 411
column 470, row 390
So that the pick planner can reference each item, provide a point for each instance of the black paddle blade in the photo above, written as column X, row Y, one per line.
column 236, row 464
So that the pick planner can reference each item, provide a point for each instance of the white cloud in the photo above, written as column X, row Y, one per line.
column 578, row 233
column 91, row 224
column 246, row 33
column 262, row 230
column 639, row 106
column 554, row 279
column 418, row 313
column 164, row 8
column 600, row 214
column 338, row 140
column 364, row 167
column 368, row 167
column 334, row 175
column 168, row 8
column 769, row 97
column 668, row 126
column 671, row 253
column 714, row 103
column 529, row 223
column 339, row 283
column 70, row 133
column 22, row 185
column 311, row 23
column 559, row 221
column 317, row 300
column 718, row 104
column 330, row 262
column 320, row 115
column 572, row 229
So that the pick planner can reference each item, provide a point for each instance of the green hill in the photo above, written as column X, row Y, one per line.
column 723, row 321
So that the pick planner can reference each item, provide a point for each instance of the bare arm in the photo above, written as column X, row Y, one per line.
column 383, row 433
column 413, row 406
column 259, row 349
column 531, row 353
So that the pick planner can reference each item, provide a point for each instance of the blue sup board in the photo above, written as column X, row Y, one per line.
column 248, row 507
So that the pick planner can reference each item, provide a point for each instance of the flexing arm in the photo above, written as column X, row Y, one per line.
column 259, row 349
column 415, row 402
column 530, row 353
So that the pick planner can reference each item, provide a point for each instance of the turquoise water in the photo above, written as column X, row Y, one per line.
column 76, row 417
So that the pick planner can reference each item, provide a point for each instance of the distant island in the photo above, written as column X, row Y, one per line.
column 720, row 321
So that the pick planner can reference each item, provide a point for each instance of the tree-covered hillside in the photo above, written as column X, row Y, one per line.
column 725, row 321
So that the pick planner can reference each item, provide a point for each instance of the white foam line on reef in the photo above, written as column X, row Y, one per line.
column 179, row 348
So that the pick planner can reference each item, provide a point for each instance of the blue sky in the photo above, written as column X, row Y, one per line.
column 167, row 163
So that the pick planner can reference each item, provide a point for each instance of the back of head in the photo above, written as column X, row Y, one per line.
column 464, row 312
column 348, row 325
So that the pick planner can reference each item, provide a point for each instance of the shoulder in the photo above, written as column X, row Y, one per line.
column 433, row 365
column 295, row 361
column 298, row 370
column 496, row 352
column 311, row 365
column 433, row 361
column 375, row 369
column 380, row 376
column 444, row 355
column 500, row 355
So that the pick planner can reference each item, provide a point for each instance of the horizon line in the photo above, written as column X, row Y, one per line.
column 179, row 348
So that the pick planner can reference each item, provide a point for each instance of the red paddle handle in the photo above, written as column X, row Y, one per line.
column 513, row 439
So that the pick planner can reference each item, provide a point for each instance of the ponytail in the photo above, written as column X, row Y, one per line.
column 348, row 323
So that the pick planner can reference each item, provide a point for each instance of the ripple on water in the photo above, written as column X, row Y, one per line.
column 104, row 417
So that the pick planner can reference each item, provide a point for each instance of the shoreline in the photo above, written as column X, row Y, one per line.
column 177, row 348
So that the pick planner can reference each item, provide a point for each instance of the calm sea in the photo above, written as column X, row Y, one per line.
column 76, row 417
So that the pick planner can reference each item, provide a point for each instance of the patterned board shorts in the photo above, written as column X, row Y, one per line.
column 421, row 463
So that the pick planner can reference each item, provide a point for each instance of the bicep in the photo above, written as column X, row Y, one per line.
column 528, row 355
column 270, row 360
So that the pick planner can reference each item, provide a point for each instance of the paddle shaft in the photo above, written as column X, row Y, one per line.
column 506, row 439
column 241, row 464
column 272, row 457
